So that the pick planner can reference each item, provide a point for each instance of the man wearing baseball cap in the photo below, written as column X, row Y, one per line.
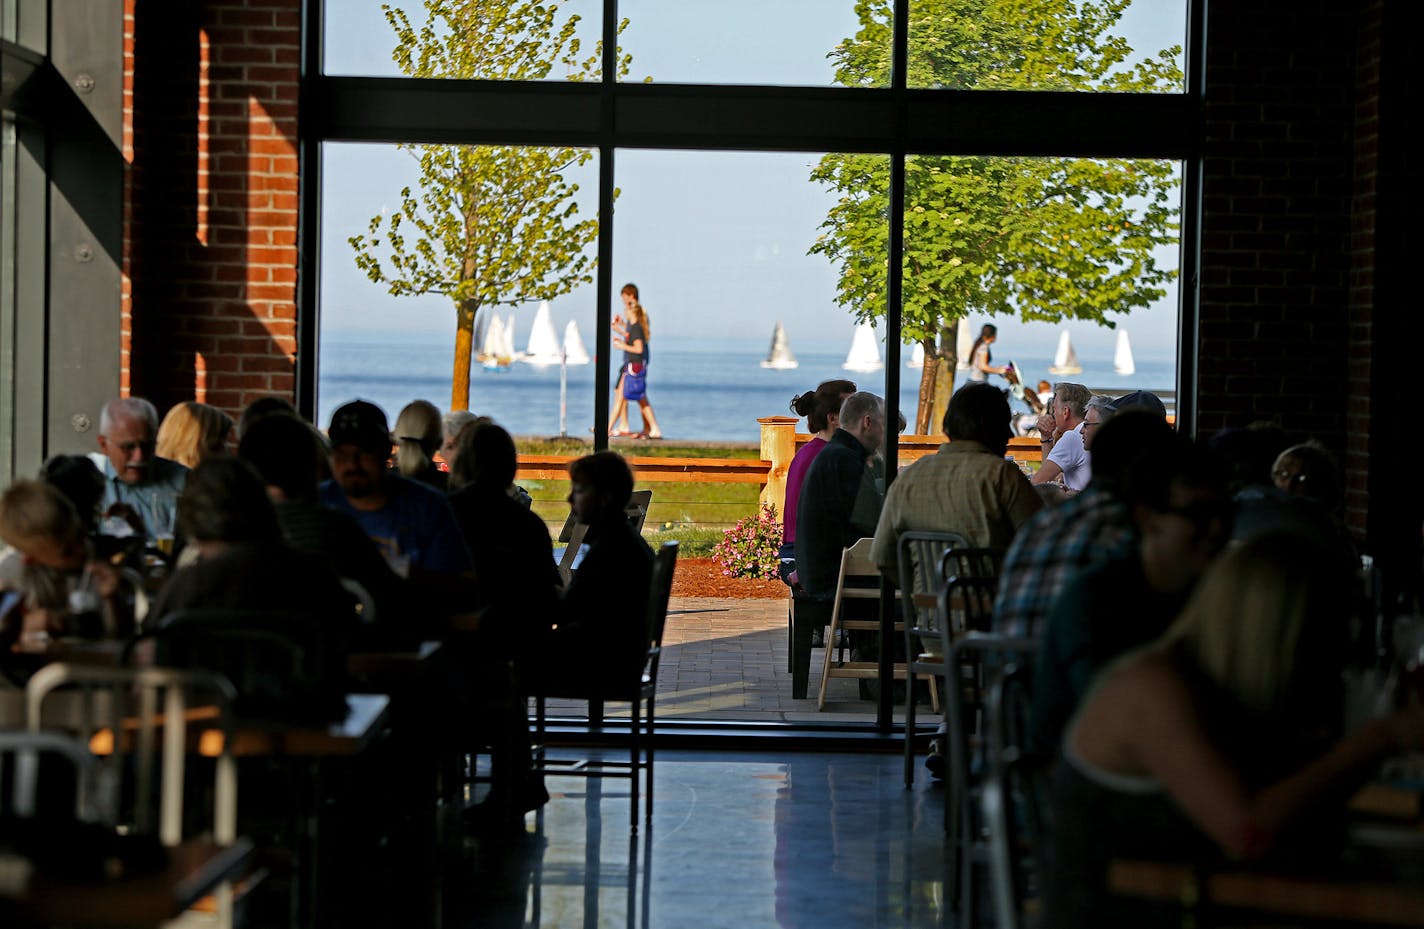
column 410, row 523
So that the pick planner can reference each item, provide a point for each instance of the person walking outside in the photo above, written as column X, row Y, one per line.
column 631, row 336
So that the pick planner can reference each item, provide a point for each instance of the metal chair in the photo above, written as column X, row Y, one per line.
column 20, row 754
column 921, row 556
column 119, row 716
column 968, row 602
column 1014, row 801
column 640, row 692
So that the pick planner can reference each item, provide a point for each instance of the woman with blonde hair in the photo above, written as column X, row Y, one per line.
column 418, row 434
column 631, row 338
column 192, row 432
column 1221, row 737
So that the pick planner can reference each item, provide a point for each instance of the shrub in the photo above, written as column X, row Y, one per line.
column 749, row 548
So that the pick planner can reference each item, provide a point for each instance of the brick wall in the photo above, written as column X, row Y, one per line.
column 211, row 200
column 1276, row 193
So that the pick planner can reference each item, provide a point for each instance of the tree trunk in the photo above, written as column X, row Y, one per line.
column 927, row 386
column 947, row 359
column 464, row 354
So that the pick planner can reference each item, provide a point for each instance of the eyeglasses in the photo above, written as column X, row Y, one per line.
column 1290, row 477
column 128, row 448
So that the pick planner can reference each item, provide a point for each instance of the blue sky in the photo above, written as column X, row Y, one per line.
column 716, row 241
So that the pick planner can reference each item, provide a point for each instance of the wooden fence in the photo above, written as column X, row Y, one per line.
column 779, row 442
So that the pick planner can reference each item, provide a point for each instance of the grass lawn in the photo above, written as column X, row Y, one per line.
column 693, row 514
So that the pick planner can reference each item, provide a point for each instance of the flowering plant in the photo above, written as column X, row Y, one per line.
column 749, row 549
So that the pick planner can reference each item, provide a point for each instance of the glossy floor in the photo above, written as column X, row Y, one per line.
column 737, row 840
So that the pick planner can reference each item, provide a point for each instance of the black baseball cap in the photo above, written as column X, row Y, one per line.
column 361, row 424
column 1140, row 400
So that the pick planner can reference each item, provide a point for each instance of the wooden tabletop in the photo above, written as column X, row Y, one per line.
column 1312, row 897
column 132, row 901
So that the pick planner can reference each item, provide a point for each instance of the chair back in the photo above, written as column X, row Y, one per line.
column 921, row 557
column 966, row 604
column 972, row 562
column 277, row 662
column 659, row 593
column 122, row 713
column 21, row 757
column 1015, row 799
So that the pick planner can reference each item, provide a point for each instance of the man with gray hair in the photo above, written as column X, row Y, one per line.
column 1062, row 429
column 134, row 477
column 828, row 519
column 1100, row 410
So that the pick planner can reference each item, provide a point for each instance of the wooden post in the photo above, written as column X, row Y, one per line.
column 778, row 445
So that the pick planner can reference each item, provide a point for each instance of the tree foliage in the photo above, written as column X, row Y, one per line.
column 487, row 225
column 1043, row 239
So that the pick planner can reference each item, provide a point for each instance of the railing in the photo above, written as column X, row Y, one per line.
column 779, row 442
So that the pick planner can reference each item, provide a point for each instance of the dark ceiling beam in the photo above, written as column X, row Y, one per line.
column 675, row 116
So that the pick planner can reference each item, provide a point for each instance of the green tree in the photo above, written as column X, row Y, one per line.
column 489, row 225
column 1044, row 239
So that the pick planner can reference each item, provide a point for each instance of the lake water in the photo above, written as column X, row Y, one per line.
column 700, row 389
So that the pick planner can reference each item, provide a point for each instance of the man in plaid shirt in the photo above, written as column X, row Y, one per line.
column 1087, row 529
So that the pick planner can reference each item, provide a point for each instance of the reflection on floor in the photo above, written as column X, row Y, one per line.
column 737, row 840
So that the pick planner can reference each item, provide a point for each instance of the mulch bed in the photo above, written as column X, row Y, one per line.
column 702, row 577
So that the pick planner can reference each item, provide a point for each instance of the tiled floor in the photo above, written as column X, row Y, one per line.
column 738, row 840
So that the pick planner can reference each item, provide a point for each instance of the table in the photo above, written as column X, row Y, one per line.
column 1309, row 897
column 146, row 900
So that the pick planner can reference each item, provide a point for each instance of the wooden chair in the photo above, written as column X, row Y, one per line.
column 573, row 532
column 640, row 692
column 856, row 564
column 921, row 556
column 122, row 714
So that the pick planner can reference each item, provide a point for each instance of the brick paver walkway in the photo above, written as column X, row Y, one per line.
column 726, row 659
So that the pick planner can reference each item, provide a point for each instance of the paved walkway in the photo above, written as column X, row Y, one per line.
column 727, row 659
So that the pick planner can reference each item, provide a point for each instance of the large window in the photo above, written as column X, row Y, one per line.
column 709, row 126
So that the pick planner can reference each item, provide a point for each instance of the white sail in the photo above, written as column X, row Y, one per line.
column 507, row 351
column 779, row 356
column 963, row 346
column 574, row 351
column 1065, row 360
column 1122, row 358
column 491, row 348
column 864, row 350
column 543, row 346
column 917, row 356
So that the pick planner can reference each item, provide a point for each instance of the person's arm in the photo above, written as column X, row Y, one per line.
column 1167, row 738
column 1047, row 471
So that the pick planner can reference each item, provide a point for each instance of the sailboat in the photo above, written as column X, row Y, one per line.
column 1065, row 360
column 779, row 356
column 963, row 346
column 864, row 350
column 497, row 351
column 917, row 356
column 543, row 348
column 1122, row 358
column 574, row 351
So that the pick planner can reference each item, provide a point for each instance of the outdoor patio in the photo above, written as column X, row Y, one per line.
column 726, row 658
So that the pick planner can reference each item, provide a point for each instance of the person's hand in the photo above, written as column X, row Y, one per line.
column 1047, row 427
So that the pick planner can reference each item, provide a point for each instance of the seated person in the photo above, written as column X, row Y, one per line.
column 1216, row 739
column 516, row 588
column 136, row 480
column 284, row 450
column 244, row 564
column 1180, row 507
column 54, row 586
column 600, row 629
